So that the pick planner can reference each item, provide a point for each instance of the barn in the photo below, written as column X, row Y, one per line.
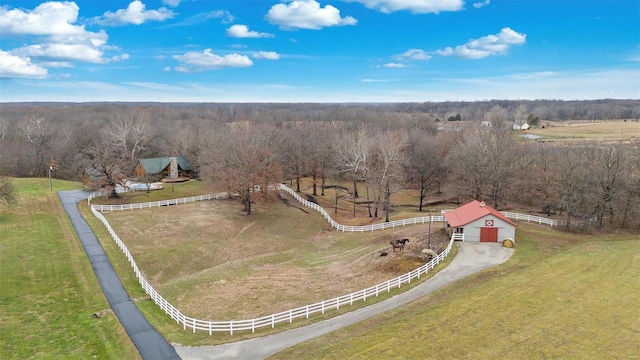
column 478, row 222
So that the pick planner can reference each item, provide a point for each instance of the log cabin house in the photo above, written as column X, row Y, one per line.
column 166, row 169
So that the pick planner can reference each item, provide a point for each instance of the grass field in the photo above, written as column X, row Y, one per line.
column 559, row 296
column 48, row 291
column 600, row 130
column 213, row 262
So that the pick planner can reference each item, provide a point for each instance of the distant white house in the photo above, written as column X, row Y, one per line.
column 524, row 126
column 476, row 221
column 485, row 123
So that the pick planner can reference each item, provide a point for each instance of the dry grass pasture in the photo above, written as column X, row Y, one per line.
column 581, row 129
column 213, row 262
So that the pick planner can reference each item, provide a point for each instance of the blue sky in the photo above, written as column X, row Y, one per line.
column 319, row 51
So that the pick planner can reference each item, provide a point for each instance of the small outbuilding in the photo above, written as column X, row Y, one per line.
column 476, row 221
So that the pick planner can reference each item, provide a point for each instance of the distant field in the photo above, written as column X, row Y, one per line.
column 48, row 291
column 559, row 296
column 567, row 130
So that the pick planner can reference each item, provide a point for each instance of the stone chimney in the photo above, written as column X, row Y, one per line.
column 173, row 167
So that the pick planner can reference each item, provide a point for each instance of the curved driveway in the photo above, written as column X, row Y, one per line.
column 471, row 258
column 147, row 340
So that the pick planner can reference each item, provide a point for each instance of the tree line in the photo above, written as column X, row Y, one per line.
column 379, row 148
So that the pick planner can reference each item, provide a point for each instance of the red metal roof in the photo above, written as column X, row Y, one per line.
column 471, row 212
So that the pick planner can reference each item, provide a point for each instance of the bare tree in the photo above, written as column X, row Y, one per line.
column 485, row 163
column 384, row 168
column 293, row 155
column 520, row 115
column 244, row 164
column 104, row 166
column 318, row 146
column 498, row 117
column 630, row 209
column 424, row 163
column 609, row 163
column 128, row 133
column 188, row 140
column 36, row 132
column 352, row 157
column 570, row 177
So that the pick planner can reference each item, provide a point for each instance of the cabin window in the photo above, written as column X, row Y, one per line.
column 459, row 230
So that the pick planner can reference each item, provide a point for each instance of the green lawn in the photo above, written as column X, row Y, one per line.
column 48, row 290
column 170, row 191
column 560, row 296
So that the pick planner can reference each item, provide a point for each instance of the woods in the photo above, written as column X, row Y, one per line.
column 379, row 149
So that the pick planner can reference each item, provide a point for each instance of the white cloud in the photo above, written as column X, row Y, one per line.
column 78, row 52
column 15, row 66
column 52, row 19
column 489, row 45
column 206, row 60
column 242, row 31
column 55, row 64
column 267, row 55
column 120, row 57
column 166, row 68
column 134, row 14
column 413, row 54
column 394, row 66
column 224, row 15
column 306, row 14
column 414, row 6
column 481, row 4
column 60, row 38
column 172, row 3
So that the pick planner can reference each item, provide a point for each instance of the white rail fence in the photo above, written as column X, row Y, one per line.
column 366, row 228
column 297, row 313
column 318, row 208
column 270, row 320
column 148, row 205
column 530, row 218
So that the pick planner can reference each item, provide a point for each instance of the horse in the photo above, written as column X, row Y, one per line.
column 402, row 241
column 395, row 245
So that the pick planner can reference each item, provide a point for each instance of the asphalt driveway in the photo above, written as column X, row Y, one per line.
column 147, row 340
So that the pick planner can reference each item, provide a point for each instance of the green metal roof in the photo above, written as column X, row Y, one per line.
column 156, row 165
